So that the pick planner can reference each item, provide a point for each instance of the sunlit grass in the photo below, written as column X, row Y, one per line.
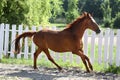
column 65, row 64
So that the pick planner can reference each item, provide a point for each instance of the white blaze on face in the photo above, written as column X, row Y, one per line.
column 93, row 20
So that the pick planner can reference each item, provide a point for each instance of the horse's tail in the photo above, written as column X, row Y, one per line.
column 17, row 40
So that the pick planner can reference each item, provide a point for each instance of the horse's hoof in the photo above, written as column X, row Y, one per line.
column 60, row 69
column 91, row 68
column 88, row 71
column 36, row 68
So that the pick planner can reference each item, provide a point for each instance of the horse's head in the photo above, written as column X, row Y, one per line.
column 91, row 23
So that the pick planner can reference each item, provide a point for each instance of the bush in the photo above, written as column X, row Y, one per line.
column 108, row 23
column 116, row 23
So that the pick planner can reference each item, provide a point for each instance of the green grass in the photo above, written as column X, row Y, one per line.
column 66, row 64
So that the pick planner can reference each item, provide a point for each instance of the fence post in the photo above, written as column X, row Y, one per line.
column 6, row 41
column 85, row 42
column 106, row 41
column 100, row 39
column 20, row 29
column 111, row 47
column 26, row 46
column 118, row 49
column 1, row 40
column 1, row 45
column 13, row 38
column 92, row 47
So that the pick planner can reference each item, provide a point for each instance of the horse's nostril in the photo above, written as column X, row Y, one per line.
column 98, row 31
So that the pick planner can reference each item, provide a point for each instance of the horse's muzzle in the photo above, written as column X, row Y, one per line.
column 98, row 31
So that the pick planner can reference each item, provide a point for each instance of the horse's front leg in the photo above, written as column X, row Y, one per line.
column 80, row 53
column 90, row 65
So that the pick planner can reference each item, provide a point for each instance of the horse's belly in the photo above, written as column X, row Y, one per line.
column 60, row 47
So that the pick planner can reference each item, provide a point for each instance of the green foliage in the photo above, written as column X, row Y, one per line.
column 72, row 11
column 114, row 4
column 106, row 9
column 57, row 7
column 107, row 23
column 93, row 7
column 41, row 11
column 14, row 11
column 36, row 12
column 2, row 4
column 107, row 19
column 112, row 69
column 29, row 12
column 116, row 23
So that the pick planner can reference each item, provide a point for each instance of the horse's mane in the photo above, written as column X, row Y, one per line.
column 78, row 20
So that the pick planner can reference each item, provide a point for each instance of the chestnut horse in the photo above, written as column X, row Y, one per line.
column 67, row 40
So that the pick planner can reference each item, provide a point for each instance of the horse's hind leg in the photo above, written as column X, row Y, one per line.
column 37, row 52
column 51, row 59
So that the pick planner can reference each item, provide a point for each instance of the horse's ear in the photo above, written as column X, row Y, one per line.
column 85, row 13
column 88, row 14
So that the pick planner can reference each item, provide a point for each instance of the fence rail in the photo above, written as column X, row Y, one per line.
column 101, row 48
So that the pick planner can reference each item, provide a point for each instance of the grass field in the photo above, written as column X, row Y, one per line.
column 65, row 64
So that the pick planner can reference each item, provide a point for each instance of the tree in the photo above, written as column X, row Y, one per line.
column 29, row 12
column 13, row 11
column 107, row 19
column 2, row 4
column 41, row 11
column 81, row 4
column 38, row 12
column 93, row 7
column 114, row 4
column 72, row 11
column 116, row 23
column 56, row 9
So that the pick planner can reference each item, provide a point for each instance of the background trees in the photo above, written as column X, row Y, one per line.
column 2, row 4
column 93, row 7
column 13, row 11
column 107, row 18
column 36, row 12
column 72, row 10
column 29, row 12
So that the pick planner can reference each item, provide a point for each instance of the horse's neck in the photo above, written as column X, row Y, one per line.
column 78, row 30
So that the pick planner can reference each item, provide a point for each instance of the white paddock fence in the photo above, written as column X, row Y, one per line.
column 101, row 48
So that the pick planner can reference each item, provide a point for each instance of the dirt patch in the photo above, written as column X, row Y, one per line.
column 22, row 72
